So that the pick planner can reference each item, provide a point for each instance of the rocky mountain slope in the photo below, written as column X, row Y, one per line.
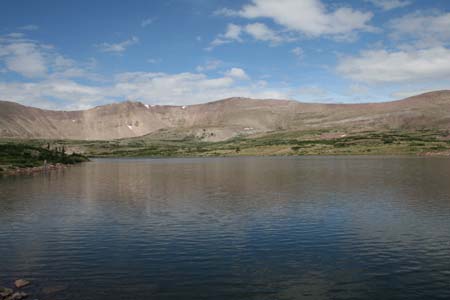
column 222, row 119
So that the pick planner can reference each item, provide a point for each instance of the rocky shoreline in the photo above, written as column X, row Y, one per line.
column 22, row 289
column 10, row 294
column 437, row 154
column 33, row 170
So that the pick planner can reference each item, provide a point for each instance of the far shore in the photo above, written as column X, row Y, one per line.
column 14, row 171
column 33, row 170
column 21, row 158
column 29, row 156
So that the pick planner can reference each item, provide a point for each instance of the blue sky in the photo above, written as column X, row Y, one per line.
column 78, row 54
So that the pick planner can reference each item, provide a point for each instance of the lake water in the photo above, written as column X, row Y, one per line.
column 231, row 228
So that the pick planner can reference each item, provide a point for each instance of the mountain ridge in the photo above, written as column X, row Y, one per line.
column 222, row 119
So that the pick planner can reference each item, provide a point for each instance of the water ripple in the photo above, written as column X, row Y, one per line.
column 244, row 228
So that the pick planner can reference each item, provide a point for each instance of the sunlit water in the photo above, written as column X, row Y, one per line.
column 231, row 228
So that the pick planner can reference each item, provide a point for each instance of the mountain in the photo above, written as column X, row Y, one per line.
column 223, row 119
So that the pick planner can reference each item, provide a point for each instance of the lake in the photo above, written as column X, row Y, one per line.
column 231, row 228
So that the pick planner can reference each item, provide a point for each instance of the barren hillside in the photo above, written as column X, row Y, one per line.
column 222, row 119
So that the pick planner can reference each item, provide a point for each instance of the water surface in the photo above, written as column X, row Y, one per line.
column 231, row 228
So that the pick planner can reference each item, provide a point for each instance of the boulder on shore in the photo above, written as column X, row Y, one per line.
column 17, row 296
column 5, row 292
column 19, row 283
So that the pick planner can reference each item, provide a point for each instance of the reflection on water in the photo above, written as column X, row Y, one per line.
column 231, row 228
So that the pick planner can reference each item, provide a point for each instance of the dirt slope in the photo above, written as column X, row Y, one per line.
column 222, row 119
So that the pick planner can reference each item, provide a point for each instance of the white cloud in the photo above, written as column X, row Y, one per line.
column 298, row 52
column 25, row 58
column 260, row 31
column 62, row 62
column 151, row 88
column 62, row 67
column 72, row 94
column 381, row 66
column 158, row 88
column 217, row 42
column 118, row 47
column 48, row 74
column 237, row 73
column 15, row 35
column 188, row 88
column 146, row 22
column 29, row 27
column 309, row 17
column 425, row 30
column 226, row 12
column 53, row 81
column 389, row 4
column 36, row 60
column 210, row 65
column 233, row 33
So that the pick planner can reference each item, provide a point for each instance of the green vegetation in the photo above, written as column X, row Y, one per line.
column 392, row 142
column 285, row 143
column 13, row 155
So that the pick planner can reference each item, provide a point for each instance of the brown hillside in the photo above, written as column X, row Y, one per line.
column 223, row 119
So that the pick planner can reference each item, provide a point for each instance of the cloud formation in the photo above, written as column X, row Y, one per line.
column 423, row 29
column 389, row 4
column 308, row 17
column 120, row 47
column 73, row 85
column 409, row 52
column 156, row 88
column 210, row 65
column 259, row 31
column 24, row 57
column 382, row 66
column 232, row 34
column 237, row 73
column 298, row 52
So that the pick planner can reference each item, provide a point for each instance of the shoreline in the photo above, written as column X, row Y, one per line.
column 15, row 171
column 419, row 154
column 392, row 155
column 18, row 159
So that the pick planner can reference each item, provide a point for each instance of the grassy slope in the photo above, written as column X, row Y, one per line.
column 13, row 155
column 279, row 143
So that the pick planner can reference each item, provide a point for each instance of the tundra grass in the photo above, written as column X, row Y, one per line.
column 393, row 142
column 19, row 155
